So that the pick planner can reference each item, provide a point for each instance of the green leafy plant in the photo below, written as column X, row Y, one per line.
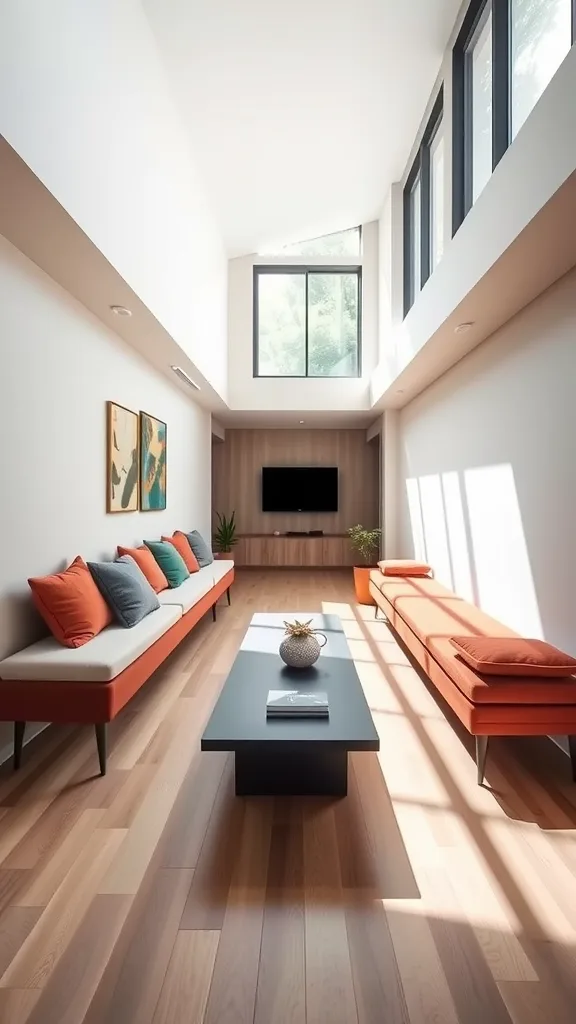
column 365, row 542
column 225, row 536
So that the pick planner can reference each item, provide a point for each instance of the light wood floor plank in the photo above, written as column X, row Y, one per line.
column 185, row 991
column 40, row 952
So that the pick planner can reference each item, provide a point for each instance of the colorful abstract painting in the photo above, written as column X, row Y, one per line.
column 121, row 459
column 152, row 463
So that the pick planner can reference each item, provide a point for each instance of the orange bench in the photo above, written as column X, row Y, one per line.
column 425, row 615
column 83, row 699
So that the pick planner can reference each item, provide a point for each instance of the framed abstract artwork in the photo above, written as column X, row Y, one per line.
column 153, row 455
column 121, row 459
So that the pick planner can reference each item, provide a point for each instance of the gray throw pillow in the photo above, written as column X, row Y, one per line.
column 125, row 589
column 200, row 548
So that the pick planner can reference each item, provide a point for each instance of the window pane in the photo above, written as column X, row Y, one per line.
column 281, row 325
column 333, row 325
column 437, row 196
column 481, row 70
column 415, row 237
column 541, row 38
column 340, row 243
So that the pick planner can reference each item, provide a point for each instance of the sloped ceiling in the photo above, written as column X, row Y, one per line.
column 301, row 112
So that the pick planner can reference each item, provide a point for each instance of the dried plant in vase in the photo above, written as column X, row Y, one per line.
column 301, row 647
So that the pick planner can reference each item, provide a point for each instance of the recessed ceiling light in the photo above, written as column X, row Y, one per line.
column 121, row 310
column 300, row 421
column 184, row 376
column 462, row 328
column 400, row 391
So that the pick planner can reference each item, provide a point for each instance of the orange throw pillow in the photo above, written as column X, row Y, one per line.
column 404, row 567
column 71, row 604
column 513, row 656
column 180, row 542
column 147, row 563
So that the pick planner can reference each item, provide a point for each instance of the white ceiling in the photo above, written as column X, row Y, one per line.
column 301, row 112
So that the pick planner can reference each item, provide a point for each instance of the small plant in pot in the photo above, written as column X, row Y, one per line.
column 225, row 534
column 366, row 543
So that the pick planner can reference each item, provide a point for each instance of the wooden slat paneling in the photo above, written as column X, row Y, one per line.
column 236, row 477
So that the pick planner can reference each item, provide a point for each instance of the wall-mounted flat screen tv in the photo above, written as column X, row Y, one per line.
column 299, row 489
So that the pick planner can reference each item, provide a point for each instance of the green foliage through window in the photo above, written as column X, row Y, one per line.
column 307, row 322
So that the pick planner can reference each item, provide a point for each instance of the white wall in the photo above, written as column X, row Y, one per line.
column 488, row 471
column 59, row 365
column 248, row 392
column 84, row 101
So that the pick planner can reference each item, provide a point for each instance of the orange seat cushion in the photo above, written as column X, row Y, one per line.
column 180, row 542
column 149, row 566
column 435, row 615
column 513, row 656
column 404, row 567
column 71, row 604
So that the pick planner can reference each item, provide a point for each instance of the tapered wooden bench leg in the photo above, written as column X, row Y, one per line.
column 213, row 613
column 228, row 596
column 481, row 752
column 19, row 729
column 572, row 748
column 101, row 743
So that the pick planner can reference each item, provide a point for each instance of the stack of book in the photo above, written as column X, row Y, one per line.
column 293, row 704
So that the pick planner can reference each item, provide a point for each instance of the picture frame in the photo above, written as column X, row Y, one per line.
column 153, row 463
column 122, row 459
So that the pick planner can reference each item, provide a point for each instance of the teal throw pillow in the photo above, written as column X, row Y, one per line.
column 170, row 561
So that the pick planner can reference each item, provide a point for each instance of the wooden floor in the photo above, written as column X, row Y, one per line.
column 154, row 896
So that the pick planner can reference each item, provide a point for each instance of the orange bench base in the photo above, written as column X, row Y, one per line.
column 68, row 701
column 484, row 720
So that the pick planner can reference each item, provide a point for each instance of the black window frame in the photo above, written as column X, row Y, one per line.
column 421, row 169
column 462, row 127
column 306, row 270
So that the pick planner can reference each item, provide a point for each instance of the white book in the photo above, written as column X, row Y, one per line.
column 293, row 701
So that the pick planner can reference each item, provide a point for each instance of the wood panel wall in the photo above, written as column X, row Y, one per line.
column 237, row 471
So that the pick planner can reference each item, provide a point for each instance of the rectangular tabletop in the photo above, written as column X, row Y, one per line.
column 238, row 721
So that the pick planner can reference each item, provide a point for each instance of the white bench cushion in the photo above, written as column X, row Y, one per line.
column 190, row 592
column 220, row 566
column 100, row 660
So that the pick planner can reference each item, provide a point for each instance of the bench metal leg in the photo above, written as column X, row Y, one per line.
column 228, row 596
column 213, row 613
column 481, row 752
column 101, row 743
column 572, row 749
column 376, row 616
column 19, row 729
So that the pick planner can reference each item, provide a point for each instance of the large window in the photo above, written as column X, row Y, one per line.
column 307, row 321
column 479, row 86
column 424, row 208
column 504, row 57
column 541, row 35
column 437, row 196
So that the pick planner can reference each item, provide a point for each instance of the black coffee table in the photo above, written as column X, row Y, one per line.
column 301, row 756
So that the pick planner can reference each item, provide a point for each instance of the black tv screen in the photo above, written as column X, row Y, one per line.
column 299, row 489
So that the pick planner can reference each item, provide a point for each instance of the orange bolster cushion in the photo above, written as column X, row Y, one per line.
column 180, row 542
column 404, row 567
column 513, row 656
column 71, row 604
column 149, row 566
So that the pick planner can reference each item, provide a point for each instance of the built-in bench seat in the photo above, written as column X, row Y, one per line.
column 426, row 615
column 47, row 682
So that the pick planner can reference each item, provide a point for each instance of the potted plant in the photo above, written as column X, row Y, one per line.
column 366, row 543
column 225, row 535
